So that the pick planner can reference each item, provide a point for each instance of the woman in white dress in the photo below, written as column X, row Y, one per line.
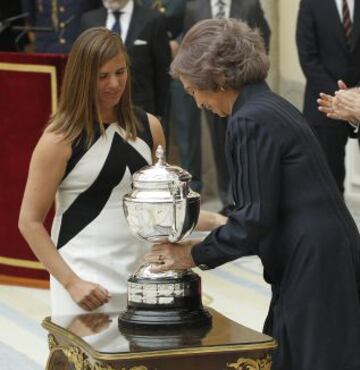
column 85, row 159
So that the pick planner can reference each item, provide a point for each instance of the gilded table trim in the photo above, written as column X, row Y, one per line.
column 55, row 329
column 251, row 364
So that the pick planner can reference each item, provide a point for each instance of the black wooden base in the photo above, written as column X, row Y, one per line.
column 167, row 317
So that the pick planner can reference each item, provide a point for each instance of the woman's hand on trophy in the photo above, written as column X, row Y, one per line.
column 171, row 256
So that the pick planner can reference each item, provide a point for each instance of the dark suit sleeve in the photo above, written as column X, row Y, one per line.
column 162, row 58
column 29, row 6
column 255, row 164
column 308, row 49
column 258, row 20
column 174, row 14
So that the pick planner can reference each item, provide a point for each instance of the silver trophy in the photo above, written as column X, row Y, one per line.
column 162, row 208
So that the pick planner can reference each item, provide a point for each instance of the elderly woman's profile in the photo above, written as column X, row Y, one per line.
column 288, row 210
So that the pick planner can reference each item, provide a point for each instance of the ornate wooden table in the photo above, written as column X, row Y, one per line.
column 94, row 342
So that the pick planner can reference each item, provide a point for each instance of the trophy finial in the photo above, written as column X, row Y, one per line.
column 159, row 154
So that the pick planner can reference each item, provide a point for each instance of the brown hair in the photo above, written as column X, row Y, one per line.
column 78, row 106
column 221, row 53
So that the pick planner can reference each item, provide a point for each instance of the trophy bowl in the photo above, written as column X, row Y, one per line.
column 162, row 208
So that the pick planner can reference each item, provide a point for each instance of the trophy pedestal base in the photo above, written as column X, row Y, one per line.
column 176, row 317
column 164, row 302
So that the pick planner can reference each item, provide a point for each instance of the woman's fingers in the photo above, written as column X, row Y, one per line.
column 93, row 296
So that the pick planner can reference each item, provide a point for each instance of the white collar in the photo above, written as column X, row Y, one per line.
column 127, row 9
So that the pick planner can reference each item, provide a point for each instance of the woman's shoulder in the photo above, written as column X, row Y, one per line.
column 53, row 146
column 55, row 139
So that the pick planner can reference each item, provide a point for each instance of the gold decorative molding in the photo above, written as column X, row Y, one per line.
column 251, row 364
column 17, row 262
column 79, row 359
column 52, row 342
column 75, row 356
column 96, row 366
column 36, row 68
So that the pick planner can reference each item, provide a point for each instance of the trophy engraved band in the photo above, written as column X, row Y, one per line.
column 162, row 208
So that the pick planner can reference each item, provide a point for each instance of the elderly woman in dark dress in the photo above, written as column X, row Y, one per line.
column 288, row 209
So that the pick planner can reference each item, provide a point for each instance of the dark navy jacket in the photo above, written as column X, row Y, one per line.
column 63, row 18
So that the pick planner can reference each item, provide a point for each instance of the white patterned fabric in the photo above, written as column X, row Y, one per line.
column 89, row 227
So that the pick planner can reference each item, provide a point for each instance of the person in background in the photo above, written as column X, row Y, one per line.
column 288, row 210
column 143, row 32
column 328, row 44
column 85, row 159
column 62, row 16
column 249, row 11
column 174, row 11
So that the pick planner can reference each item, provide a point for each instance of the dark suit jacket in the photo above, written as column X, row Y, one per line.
column 324, row 54
column 249, row 11
column 150, row 58
column 174, row 11
column 8, row 36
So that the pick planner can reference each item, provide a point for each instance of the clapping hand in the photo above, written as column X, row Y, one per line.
column 344, row 105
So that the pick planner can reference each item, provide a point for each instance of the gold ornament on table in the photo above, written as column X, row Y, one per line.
column 75, row 356
column 251, row 364
column 52, row 342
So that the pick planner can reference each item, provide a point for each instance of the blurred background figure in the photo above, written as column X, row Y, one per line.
column 329, row 50
column 144, row 34
column 187, row 116
column 173, row 11
column 60, row 15
column 184, row 114
column 9, row 9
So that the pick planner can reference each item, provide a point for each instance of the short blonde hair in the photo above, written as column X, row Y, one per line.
column 221, row 53
column 78, row 106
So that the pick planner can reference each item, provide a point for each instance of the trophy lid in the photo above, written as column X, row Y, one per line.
column 161, row 173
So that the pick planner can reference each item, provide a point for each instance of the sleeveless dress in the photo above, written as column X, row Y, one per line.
column 89, row 226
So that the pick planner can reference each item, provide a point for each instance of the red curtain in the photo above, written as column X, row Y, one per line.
column 29, row 88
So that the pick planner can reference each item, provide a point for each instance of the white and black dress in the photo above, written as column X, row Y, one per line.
column 89, row 226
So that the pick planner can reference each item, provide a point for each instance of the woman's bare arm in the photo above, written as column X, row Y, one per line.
column 47, row 167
